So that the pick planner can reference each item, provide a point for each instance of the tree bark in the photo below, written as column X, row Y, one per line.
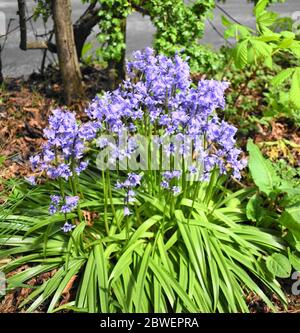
column 22, row 21
column 66, row 50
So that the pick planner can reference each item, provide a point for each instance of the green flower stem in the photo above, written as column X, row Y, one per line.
column 184, row 185
column 108, row 182
column 74, row 186
column 137, row 214
column 105, row 203
column 127, row 227
column 151, row 178
column 195, row 196
column 78, row 185
column 211, row 186
column 61, row 188
column 165, row 207
column 172, row 207
column 60, row 182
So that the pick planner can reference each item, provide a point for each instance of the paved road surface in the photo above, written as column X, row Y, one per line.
column 139, row 31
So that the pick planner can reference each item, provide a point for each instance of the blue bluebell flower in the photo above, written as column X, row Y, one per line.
column 66, row 145
column 31, row 180
column 63, row 205
column 127, row 211
column 67, row 227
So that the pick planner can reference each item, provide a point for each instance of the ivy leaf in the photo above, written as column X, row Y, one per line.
column 295, row 88
column 262, row 171
column 279, row 265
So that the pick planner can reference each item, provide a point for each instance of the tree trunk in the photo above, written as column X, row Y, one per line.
column 66, row 50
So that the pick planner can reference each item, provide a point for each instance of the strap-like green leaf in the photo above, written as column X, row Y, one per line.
column 102, row 276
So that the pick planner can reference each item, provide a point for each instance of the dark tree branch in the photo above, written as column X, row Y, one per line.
column 45, row 54
column 231, row 17
column 2, row 47
column 84, row 26
column 140, row 9
column 14, row 29
column 22, row 21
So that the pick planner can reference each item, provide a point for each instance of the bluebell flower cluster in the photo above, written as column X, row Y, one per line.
column 167, row 182
column 62, row 155
column 63, row 205
column 159, row 90
column 133, row 180
column 158, row 99
column 162, row 77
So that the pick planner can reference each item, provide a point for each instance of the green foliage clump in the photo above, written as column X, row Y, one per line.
column 179, row 27
column 153, row 262
column 260, row 47
column 42, row 9
column 112, row 25
column 276, row 204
